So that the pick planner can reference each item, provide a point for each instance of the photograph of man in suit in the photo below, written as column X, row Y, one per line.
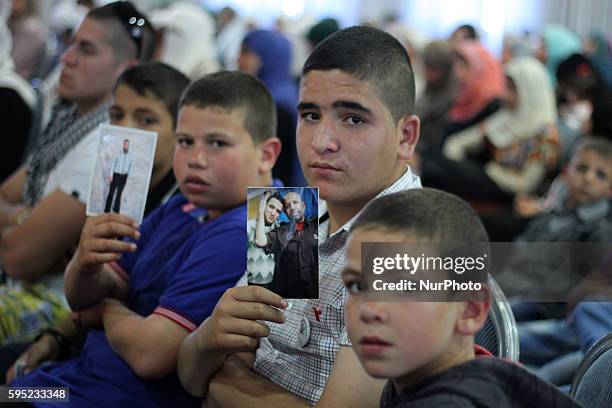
column 120, row 172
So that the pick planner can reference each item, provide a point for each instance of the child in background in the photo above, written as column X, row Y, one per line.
column 581, row 215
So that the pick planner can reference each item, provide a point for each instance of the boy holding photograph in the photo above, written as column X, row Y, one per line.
column 148, row 292
column 355, row 135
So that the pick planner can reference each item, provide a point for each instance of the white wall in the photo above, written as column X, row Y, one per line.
column 437, row 18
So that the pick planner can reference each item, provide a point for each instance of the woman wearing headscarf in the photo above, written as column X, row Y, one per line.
column 521, row 139
column 17, row 99
column 480, row 82
column 515, row 46
column 188, row 39
column 267, row 55
column 30, row 33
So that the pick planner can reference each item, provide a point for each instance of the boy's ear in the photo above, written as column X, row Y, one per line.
column 408, row 128
column 269, row 150
column 472, row 315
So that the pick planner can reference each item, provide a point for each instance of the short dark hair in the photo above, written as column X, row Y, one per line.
column 236, row 90
column 598, row 145
column 128, row 40
column 471, row 32
column 278, row 197
column 428, row 213
column 160, row 80
column 441, row 218
column 369, row 54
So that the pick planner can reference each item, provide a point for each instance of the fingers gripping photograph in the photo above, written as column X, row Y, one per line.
column 283, row 230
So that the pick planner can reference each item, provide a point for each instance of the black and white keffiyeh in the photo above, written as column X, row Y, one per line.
column 64, row 131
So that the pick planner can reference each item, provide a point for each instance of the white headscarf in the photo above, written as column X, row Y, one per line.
column 8, row 77
column 189, row 39
column 536, row 106
column 67, row 15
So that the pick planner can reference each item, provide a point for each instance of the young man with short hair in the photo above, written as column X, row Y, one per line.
column 355, row 134
column 260, row 265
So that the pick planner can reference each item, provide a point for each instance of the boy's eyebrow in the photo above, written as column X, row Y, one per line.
column 351, row 105
column 145, row 110
column 87, row 43
column 349, row 271
column 306, row 106
column 336, row 105
column 217, row 134
column 207, row 135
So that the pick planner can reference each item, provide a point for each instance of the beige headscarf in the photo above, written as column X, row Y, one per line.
column 536, row 104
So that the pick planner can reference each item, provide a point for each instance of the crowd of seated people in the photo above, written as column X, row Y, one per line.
column 406, row 140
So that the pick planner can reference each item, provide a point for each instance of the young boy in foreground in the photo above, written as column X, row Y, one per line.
column 426, row 349
column 147, row 293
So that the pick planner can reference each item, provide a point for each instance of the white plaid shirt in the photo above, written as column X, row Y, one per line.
column 280, row 358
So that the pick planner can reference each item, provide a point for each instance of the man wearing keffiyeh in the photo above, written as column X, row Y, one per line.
column 41, row 207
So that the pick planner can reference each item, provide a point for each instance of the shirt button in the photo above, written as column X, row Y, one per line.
column 289, row 305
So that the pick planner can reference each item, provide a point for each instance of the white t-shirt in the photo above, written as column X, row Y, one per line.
column 73, row 173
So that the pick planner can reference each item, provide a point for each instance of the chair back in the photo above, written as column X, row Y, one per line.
column 499, row 334
column 592, row 384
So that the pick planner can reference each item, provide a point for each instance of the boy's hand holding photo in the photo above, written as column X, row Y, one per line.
column 88, row 280
column 99, row 243
column 235, row 325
